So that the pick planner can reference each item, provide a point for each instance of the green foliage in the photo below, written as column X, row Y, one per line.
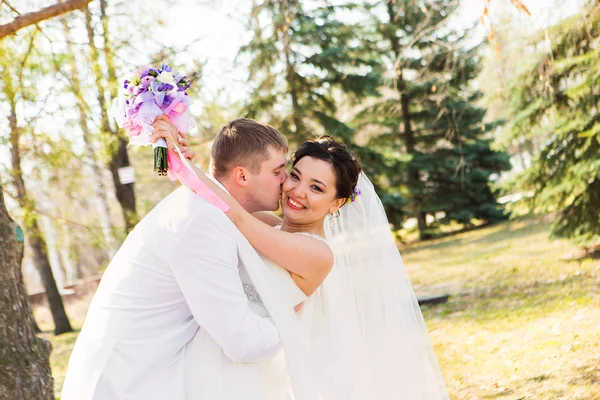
column 312, row 64
column 556, row 98
column 302, row 61
column 451, row 162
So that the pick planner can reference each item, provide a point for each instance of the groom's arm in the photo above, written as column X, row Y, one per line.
column 205, row 264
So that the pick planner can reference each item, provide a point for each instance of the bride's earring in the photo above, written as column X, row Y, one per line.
column 332, row 217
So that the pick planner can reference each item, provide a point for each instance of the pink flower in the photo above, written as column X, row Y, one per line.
column 147, row 80
column 141, row 70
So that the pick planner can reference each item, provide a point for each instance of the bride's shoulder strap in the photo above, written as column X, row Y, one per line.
column 312, row 235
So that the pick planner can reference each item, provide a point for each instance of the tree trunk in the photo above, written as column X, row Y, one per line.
column 65, row 253
column 53, row 253
column 24, row 358
column 36, row 240
column 125, row 192
column 407, row 136
column 95, row 171
column 117, row 145
column 290, row 72
column 40, row 258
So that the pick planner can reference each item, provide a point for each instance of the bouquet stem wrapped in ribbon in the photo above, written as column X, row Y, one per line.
column 148, row 94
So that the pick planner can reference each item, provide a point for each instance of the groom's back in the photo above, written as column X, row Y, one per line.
column 139, row 283
column 139, row 319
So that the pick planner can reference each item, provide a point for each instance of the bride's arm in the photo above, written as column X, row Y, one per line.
column 308, row 260
column 268, row 218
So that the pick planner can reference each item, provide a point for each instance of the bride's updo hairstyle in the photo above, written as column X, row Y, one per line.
column 344, row 162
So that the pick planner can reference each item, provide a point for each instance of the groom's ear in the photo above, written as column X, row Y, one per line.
column 240, row 176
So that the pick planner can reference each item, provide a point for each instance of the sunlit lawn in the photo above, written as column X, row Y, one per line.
column 523, row 321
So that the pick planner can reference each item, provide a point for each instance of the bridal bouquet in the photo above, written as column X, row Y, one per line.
column 147, row 94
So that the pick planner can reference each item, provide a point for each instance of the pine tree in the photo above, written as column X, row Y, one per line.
column 302, row 60
column 428, row 120
column 310, row 65
column 555, row 98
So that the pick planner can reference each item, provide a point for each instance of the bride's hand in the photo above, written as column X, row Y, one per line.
column 163, row 128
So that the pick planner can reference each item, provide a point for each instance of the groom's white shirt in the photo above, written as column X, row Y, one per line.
column 177, row 270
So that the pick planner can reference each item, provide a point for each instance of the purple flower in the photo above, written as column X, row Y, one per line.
column 165, row 87
column 147, row 80
column 167, row 100
column 165, row 67
column 183, row 83
column 353, row 196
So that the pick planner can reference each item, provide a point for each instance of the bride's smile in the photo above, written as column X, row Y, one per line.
column 295, row 204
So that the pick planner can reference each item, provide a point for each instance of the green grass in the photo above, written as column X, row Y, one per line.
column 62, row 346
column 523, row 321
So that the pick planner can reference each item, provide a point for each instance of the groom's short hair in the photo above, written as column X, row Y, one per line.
column 244, row 142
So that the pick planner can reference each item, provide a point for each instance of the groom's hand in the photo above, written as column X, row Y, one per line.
column 163, row 128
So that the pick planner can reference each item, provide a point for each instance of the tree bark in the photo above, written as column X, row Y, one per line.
column 125, row 192
column 34, row 234
column 408, row 137
column 117, row 145
column 33, row 18
column 24, row 358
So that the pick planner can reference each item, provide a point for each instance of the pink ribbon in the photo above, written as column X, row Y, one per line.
column 178, row 171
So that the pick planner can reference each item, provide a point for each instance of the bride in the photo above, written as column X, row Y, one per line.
column 359, row 333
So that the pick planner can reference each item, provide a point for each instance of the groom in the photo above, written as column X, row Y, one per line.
column 179, row 270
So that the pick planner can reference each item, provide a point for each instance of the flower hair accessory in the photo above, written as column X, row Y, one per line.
column 353, row 196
